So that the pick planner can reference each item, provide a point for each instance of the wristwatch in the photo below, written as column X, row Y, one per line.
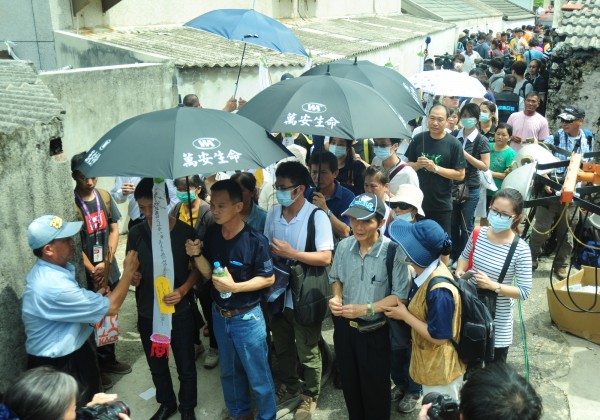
column 498, row 289
column 329, row 213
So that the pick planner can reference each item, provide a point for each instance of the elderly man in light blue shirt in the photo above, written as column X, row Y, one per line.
column 58, row 314
column 362, row 287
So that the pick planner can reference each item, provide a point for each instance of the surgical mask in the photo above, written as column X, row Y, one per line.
column 183, row 196
column 407, row 217
column 484, row 117
column 285, row 197
column 338, row 151
column 468, row 122
column 498, row 223
column 383, row 152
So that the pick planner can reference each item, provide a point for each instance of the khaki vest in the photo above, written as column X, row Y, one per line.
column 431, row 364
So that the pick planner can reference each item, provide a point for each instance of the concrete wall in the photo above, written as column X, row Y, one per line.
column 512, row 24
column 156, row 12
column 574, row 80
column 37, row 184
column 29, row 26
column 496, row 24
column 97, row 99
column 78, row 51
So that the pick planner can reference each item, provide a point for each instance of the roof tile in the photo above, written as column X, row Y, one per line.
column 325, row 39
column 581, row 28
column 24, row 99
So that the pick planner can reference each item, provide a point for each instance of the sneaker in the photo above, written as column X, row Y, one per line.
column 408, row 403
column 561, row 272
column 306, row 408
column 116, row 367
column 212, row 358
column 397, row 393
column 107, row 383
column 198, row 350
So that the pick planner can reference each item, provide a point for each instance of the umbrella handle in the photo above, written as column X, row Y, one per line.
column 237, row 81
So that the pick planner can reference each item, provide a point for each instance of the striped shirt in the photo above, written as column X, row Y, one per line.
column 489, row 258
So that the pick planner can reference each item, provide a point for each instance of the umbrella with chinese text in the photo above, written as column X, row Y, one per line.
column 327, row 106
column 399, row 92
column 182, row 141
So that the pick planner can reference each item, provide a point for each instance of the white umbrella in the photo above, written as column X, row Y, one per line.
column 448, row 83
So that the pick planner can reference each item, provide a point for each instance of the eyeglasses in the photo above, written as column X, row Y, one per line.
column 282, row 188
column 563, row 121
column 399, row 204
column 502, row 216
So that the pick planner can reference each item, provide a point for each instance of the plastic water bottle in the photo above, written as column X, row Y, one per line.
column 219, row 272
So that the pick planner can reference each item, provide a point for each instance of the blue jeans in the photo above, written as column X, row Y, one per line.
column 243, row 356
column 182, row 346
column 462, row 222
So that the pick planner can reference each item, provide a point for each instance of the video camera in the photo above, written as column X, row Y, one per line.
column 108, row 411
column 443, row 407
column 445, row 61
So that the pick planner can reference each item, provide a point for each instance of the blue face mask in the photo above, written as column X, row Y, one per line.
column 484, row 117
column 183, row 196
column 383, row 152
column 338, row 151
column 468, row 122
column 498, row 223
column 285, row 197
column 407, row 217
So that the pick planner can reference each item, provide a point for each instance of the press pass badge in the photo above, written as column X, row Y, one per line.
column 97, row 251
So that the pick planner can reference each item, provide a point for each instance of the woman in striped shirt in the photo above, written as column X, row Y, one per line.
column 491, row 250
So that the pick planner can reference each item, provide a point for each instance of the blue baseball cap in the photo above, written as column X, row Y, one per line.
column 422, row 242
column 45, row 229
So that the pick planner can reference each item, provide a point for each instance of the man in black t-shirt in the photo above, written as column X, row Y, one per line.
column 438, row 159
column 238, row 320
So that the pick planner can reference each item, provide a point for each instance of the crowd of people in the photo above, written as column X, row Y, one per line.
column 384, row 218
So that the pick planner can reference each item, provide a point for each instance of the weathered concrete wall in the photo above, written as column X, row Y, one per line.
column 78, row 51
column 512, row 24
column 157, row 12
column 97, row 99
column 29, row 25
column 33, row 184
column 495, row 23
column 575, row 80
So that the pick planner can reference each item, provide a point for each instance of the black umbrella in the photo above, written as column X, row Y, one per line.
column 182, row 141
column 392, row 85
column 327, row 106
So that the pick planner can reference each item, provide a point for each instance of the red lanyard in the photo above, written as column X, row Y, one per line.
column 95, row 226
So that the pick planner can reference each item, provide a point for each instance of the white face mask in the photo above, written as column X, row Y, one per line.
column 338, row 151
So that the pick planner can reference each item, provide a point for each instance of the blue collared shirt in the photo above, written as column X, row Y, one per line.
column 58, row 314
column 338, row 203
column 577, row 144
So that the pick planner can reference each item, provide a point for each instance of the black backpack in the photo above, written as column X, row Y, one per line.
column 400, row 335
column 476, row 324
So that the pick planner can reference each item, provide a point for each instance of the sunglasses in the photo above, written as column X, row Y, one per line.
column 566, row 121
column 399, row 204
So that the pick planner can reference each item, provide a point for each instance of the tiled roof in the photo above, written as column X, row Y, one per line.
column 24, row 99
column 326, row 40
column 509, row 10
column 449, row 10
column 581, row 28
